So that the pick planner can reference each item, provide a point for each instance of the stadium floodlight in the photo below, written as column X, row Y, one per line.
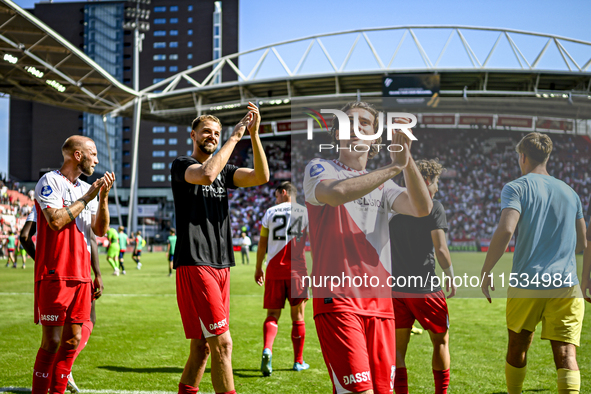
column 56, row 85
column 10, row 59
column 34, row 71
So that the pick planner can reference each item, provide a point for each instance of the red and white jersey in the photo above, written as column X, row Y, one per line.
column 350, row 241
column 287, row 224
column 64, row 254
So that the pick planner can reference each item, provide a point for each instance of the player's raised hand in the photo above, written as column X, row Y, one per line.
column 109, row 179
column 401, row 143
column 486, row 283
column 259, row 276
column 94, row 189
column 240, row 127
column 255, row 119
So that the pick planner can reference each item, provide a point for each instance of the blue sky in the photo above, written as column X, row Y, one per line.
column 264, row 22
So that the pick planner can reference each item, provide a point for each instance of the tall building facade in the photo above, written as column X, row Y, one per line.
column 183, row 34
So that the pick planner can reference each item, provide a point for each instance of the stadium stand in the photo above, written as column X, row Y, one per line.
column 479, row 162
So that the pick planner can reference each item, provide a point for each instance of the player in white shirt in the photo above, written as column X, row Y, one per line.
column 348, row 209
column 283, row 238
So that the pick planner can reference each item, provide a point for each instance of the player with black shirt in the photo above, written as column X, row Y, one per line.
column 204, row 251
column 414, row 243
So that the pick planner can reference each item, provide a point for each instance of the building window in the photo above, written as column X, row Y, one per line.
column 189, row 153
column 159, row 45
column 125, row 153
column 190, row 56
column 190, row 8
column 159, row 57
column 170, row 178
column 174, row 20
column 189, row 129
column 174, row 56
column 158, row 129
column 173, row 69
column 190, row 19
column 156, row 80
column 127, row 128
column 158, row 141
column 190, row 44
column 126, row 165
column 174, row 8
column 189, row 67
column 172, row 141
column 126, row 140
column 169, row 166
column 189, row 32
column 158, row 166
column 125, row 177
column 173, row 44
column 158, row 178
column 159, row 9
column 173, row 129
column 158, row 153
column 174, row 32
column 159, row 21
column 159, row 33
column 159, row 69
column 189, row 141
column 172, row 153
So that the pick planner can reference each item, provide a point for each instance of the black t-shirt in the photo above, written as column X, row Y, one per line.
column 203, row 229
column 412, row 249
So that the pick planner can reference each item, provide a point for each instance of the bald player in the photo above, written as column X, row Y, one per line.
column 67, row 214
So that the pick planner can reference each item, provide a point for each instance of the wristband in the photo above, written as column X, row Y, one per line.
column 449, row 271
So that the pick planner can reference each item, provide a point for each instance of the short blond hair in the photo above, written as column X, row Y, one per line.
column 197, row 121
column 430, row 169
column 536, row 146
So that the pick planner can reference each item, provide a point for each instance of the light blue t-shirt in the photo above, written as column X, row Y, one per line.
column 546, row 232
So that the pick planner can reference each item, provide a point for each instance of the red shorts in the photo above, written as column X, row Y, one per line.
column 62, row 301
column 203, row 296
column 10, row 250
column 429, row 309
column 359, row 351
column 277, row 290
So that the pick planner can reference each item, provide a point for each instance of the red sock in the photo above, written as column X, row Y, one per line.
column 441, row 381
column 228, row 392
column 298, row 336
column 62, row 367
column 269, row 332
column 186, row 389
column 42, row 371
column 86, row 331
column 401, row 381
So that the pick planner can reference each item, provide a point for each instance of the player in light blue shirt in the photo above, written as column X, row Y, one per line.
column 548, row 218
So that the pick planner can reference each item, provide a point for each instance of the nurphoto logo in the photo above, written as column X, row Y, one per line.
column 400, row 121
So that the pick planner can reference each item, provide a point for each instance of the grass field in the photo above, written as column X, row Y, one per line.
column 138, row 343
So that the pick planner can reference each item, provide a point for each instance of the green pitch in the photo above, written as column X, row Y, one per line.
column 138, row 341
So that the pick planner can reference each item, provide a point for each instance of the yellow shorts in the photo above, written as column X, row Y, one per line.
column 561, row 312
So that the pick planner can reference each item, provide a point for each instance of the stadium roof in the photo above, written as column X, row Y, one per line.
column 38, row 64
column 479, row 67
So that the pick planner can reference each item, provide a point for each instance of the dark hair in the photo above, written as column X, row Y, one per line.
column 363, row 105
column 288, row 187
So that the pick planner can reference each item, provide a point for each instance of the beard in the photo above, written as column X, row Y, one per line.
column 208, row 149
column 86, row 165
